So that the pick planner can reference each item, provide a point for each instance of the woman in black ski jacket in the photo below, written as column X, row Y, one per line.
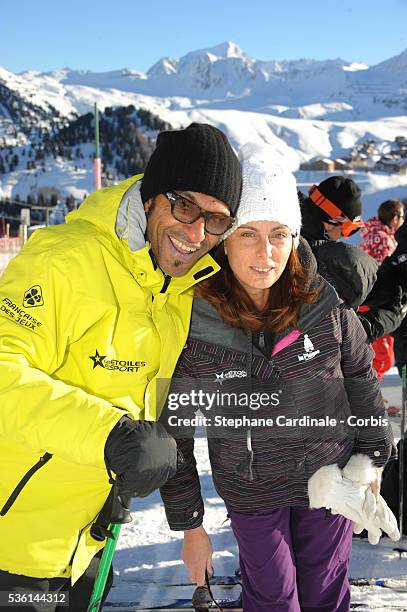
column 283, row 376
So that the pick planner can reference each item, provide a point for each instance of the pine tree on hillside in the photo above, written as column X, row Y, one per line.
column 57, row 217
column 14, row 162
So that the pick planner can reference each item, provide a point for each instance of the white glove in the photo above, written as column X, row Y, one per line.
column 383, row 520
column 344, row 492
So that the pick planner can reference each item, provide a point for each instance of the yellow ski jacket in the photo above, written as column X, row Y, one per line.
column 87, row 328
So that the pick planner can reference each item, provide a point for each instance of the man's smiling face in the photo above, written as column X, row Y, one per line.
column 177, row 246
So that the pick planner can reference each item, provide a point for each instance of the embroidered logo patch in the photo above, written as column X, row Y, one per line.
column 119, row 365
column 231, row 374
column 310, row 353
column 33, row 297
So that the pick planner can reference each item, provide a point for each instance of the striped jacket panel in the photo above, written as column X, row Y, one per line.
column 324, row 373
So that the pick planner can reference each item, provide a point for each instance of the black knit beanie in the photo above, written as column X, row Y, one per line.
column 344, row 193
column 198, row 159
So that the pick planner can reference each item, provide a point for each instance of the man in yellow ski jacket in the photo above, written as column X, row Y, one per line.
column 92, row 314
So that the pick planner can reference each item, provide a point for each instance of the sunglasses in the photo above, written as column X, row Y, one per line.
column 187, row 211
column 348, row 227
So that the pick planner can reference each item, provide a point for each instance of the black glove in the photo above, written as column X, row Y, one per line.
column 401, row 301
column 372, row 328
column 384, row 320
column 142, row 455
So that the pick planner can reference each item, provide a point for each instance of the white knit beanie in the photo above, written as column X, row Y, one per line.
column 269, row 192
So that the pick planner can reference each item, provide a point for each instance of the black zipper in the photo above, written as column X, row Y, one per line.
column 262, row 343
column 167, row 280
column 40, row 463
column 76, row 547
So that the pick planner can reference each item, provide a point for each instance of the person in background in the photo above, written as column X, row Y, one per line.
column 92, row 314
column 267, row 321
column 377, row 235
column 377, row 239
column 392, row 277
column 333, row 211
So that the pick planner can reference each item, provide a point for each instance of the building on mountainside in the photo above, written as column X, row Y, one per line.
column 393, row 165
column 359, row 161
column 325, row 164
column 401, row 142
column 341, row 164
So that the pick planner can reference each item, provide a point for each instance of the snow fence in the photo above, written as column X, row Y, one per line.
column 9, row 247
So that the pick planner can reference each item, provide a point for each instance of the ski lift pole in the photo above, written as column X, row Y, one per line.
column 97, row 163
column 113, row 515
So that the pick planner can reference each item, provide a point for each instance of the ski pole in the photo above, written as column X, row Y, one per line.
column 401, row 453
column 103, row 570
column 113, row 515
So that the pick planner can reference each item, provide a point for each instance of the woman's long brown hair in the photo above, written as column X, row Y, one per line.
column 236, row 308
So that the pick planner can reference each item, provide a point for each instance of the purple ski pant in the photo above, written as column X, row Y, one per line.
column 293, row 560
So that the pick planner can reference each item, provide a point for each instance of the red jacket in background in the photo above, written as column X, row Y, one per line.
column 377, row 239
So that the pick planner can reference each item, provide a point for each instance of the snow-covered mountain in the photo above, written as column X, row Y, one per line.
column 229, row 78
column 304, row 108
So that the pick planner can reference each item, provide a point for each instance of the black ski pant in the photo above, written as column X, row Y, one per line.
column 78, row 595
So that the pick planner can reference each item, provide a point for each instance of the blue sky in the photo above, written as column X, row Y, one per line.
column 111, row 34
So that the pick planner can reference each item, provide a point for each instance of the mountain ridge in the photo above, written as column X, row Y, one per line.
column 226, row 70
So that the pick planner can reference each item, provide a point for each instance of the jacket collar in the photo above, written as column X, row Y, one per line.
column 310, row 315
column 208, row 326
column 118, row 212
column 327, row 299
column 131, row 225
column 143, row 267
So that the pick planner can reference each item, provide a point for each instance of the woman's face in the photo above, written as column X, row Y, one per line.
column 258, row 253
column 334, row 231
column 397, row 220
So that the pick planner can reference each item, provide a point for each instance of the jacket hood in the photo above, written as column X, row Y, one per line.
column 375, row 225
column 351, row 271
column 311, row 225
column 121, row 216
column 307, row 257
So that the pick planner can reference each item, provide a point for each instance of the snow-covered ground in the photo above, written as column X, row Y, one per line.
column 147, row 560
